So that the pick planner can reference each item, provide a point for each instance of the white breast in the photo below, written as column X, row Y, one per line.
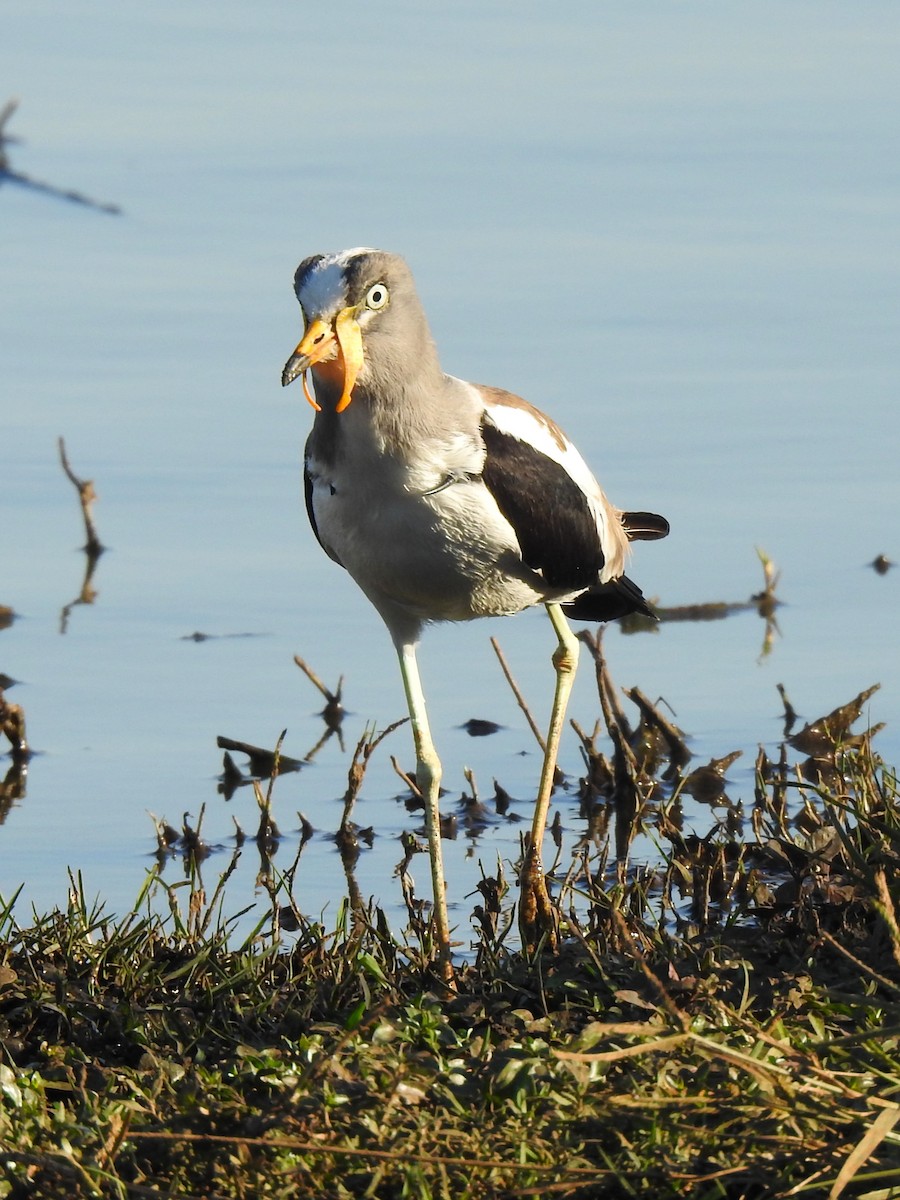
column 429, row 538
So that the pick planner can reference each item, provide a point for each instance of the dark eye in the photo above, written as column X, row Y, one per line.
column 377, row 296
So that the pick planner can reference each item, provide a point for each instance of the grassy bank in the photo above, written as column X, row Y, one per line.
column 724, row 1024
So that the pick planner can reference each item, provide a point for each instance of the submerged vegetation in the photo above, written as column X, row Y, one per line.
column 723, row 1024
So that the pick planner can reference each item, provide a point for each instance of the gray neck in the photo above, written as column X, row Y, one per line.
column 402, row 405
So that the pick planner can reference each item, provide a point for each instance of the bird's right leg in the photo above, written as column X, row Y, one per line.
column 538, row 919
column 428, row 778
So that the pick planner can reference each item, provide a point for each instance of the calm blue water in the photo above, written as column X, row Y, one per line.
column 674, row 227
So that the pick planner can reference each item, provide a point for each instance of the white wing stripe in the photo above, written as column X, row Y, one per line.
column 524, row 425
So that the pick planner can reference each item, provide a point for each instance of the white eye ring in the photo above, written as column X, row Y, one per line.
column 377, row 296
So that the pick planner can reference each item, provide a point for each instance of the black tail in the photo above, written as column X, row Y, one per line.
column 608, row 601
column 644, row 527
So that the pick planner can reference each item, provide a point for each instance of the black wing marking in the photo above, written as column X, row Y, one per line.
column 608, row 601
column 551, row 516
column 307, row 496
column 644, row 527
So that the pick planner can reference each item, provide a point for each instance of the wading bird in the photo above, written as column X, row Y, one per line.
column 448, row 500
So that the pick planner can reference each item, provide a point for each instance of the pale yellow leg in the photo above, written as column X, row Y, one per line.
column 428, row 778
column 537, row 917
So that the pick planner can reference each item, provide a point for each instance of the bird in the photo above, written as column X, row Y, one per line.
column 446, row 501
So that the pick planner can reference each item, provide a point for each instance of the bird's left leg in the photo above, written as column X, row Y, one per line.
column 537, row 916
column 428, row 779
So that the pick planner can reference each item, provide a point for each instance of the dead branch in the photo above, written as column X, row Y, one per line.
column 86, row 495
column 520, row 699
column 263, row 762
column 333, row 712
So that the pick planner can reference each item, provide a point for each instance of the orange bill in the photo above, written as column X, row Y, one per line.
column 324, row 343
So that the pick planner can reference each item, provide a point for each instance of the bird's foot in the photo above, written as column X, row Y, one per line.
column 538, row 916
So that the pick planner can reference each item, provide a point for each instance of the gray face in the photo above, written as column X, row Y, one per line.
column 376, row 289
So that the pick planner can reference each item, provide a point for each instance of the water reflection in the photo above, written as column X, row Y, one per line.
column 8, row 175
column 87, row 593
column 262, row 762
column 637, row 773
column 12, row 787
column 764, row 602
column 12, row 730
column 93, row 547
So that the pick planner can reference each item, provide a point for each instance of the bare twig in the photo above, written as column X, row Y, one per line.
column 365, row 748
column 12, row 726
column 5, row 113
column 8, row 175
column 333, row 712
column 408, row 779
column 342, row 1149
column 263, row 762
column 267, row 833
column 790, row 713
column 613, row 713
column 650, row 712
column 87, row 495
column 520, row 699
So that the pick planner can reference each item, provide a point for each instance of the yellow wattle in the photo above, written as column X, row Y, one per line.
column 349, row 338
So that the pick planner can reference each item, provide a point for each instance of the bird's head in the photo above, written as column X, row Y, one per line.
column 347, row 300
